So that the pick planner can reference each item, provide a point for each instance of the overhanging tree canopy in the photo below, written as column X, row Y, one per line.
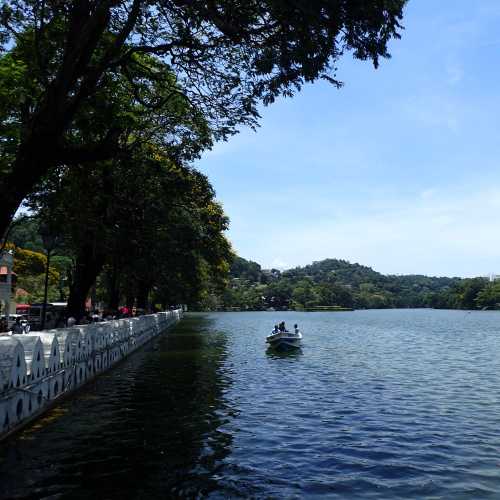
column 152, row 225
column 225, row 56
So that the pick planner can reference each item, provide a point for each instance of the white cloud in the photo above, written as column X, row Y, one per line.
column 442, row 235
column 366, row 174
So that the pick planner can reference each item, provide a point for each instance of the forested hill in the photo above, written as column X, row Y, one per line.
column 356, row 275
column 337, row 270
column 339, row 282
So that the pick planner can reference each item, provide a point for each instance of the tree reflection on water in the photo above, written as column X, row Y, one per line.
column 150, row 428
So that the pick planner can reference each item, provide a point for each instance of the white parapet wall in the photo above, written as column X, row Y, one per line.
column 39, row 368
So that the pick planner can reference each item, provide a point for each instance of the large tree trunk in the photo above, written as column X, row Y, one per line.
column 113, row 285
column 87, row 268
column 143, row 290
column 114, row 299
column 129, row 301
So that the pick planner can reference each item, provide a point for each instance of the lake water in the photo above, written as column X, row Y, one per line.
column 378, row 404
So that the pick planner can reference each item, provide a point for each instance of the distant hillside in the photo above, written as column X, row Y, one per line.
column 341, row 270
column 338, row 282
column 391, row 290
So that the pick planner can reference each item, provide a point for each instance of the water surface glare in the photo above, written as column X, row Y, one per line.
column 378, row 404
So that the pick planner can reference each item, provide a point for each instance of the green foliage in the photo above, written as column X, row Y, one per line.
column 31, row 263
column 119, row 220
column 28, row 262
column 489, row 296
column 24, row 233
column 34, row 285
column 103, row 103
column 245, row 269
column 73, row 75
column 30, row 269
column 14, row 91
column 333, row 282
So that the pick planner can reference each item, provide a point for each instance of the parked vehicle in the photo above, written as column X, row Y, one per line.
column 54, row 315
column 23, row 309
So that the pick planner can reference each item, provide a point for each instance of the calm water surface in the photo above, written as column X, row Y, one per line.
column 378, row 404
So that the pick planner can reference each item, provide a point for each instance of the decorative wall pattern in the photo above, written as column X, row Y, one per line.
column 38, row 368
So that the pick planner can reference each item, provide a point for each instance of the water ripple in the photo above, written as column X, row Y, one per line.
column 377, row 404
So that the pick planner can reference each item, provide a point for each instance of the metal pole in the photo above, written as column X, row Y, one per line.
column 44, row 308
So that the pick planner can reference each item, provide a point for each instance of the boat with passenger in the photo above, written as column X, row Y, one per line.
column 281, row 338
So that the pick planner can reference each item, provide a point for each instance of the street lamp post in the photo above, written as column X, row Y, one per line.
column 49, row 242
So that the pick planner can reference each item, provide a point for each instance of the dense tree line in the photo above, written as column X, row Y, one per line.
column 125, row 247
column 30, row 267
column 333, row 282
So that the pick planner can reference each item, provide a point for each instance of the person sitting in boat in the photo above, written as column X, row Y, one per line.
column 296, row 329
column 282, row 327
column 276, row 329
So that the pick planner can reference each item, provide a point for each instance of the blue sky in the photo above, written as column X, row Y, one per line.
column 398, row 170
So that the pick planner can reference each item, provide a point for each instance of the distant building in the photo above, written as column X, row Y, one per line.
column 493, row 277
column 7, row 281
column 4, row 276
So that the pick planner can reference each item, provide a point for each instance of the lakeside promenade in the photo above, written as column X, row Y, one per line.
column 40, row 368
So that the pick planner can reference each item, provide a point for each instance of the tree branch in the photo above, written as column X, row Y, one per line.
column 73, row 154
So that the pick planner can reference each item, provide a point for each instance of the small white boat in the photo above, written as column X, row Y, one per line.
column 284, row 340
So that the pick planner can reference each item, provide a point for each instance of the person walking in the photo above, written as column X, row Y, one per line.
column 17, row 328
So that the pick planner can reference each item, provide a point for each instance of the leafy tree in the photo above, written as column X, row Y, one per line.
column 469, row 291
column 304, row 294
column 226, row 56
column 24, row 233
column 279, row 294
column 121, row 219
column 28, row 262
column 34, row 285
column 245, row 269
column 489, row 296
column 334, row 294
column 30, row 268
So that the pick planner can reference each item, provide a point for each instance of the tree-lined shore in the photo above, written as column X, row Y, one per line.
column 333, row 282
